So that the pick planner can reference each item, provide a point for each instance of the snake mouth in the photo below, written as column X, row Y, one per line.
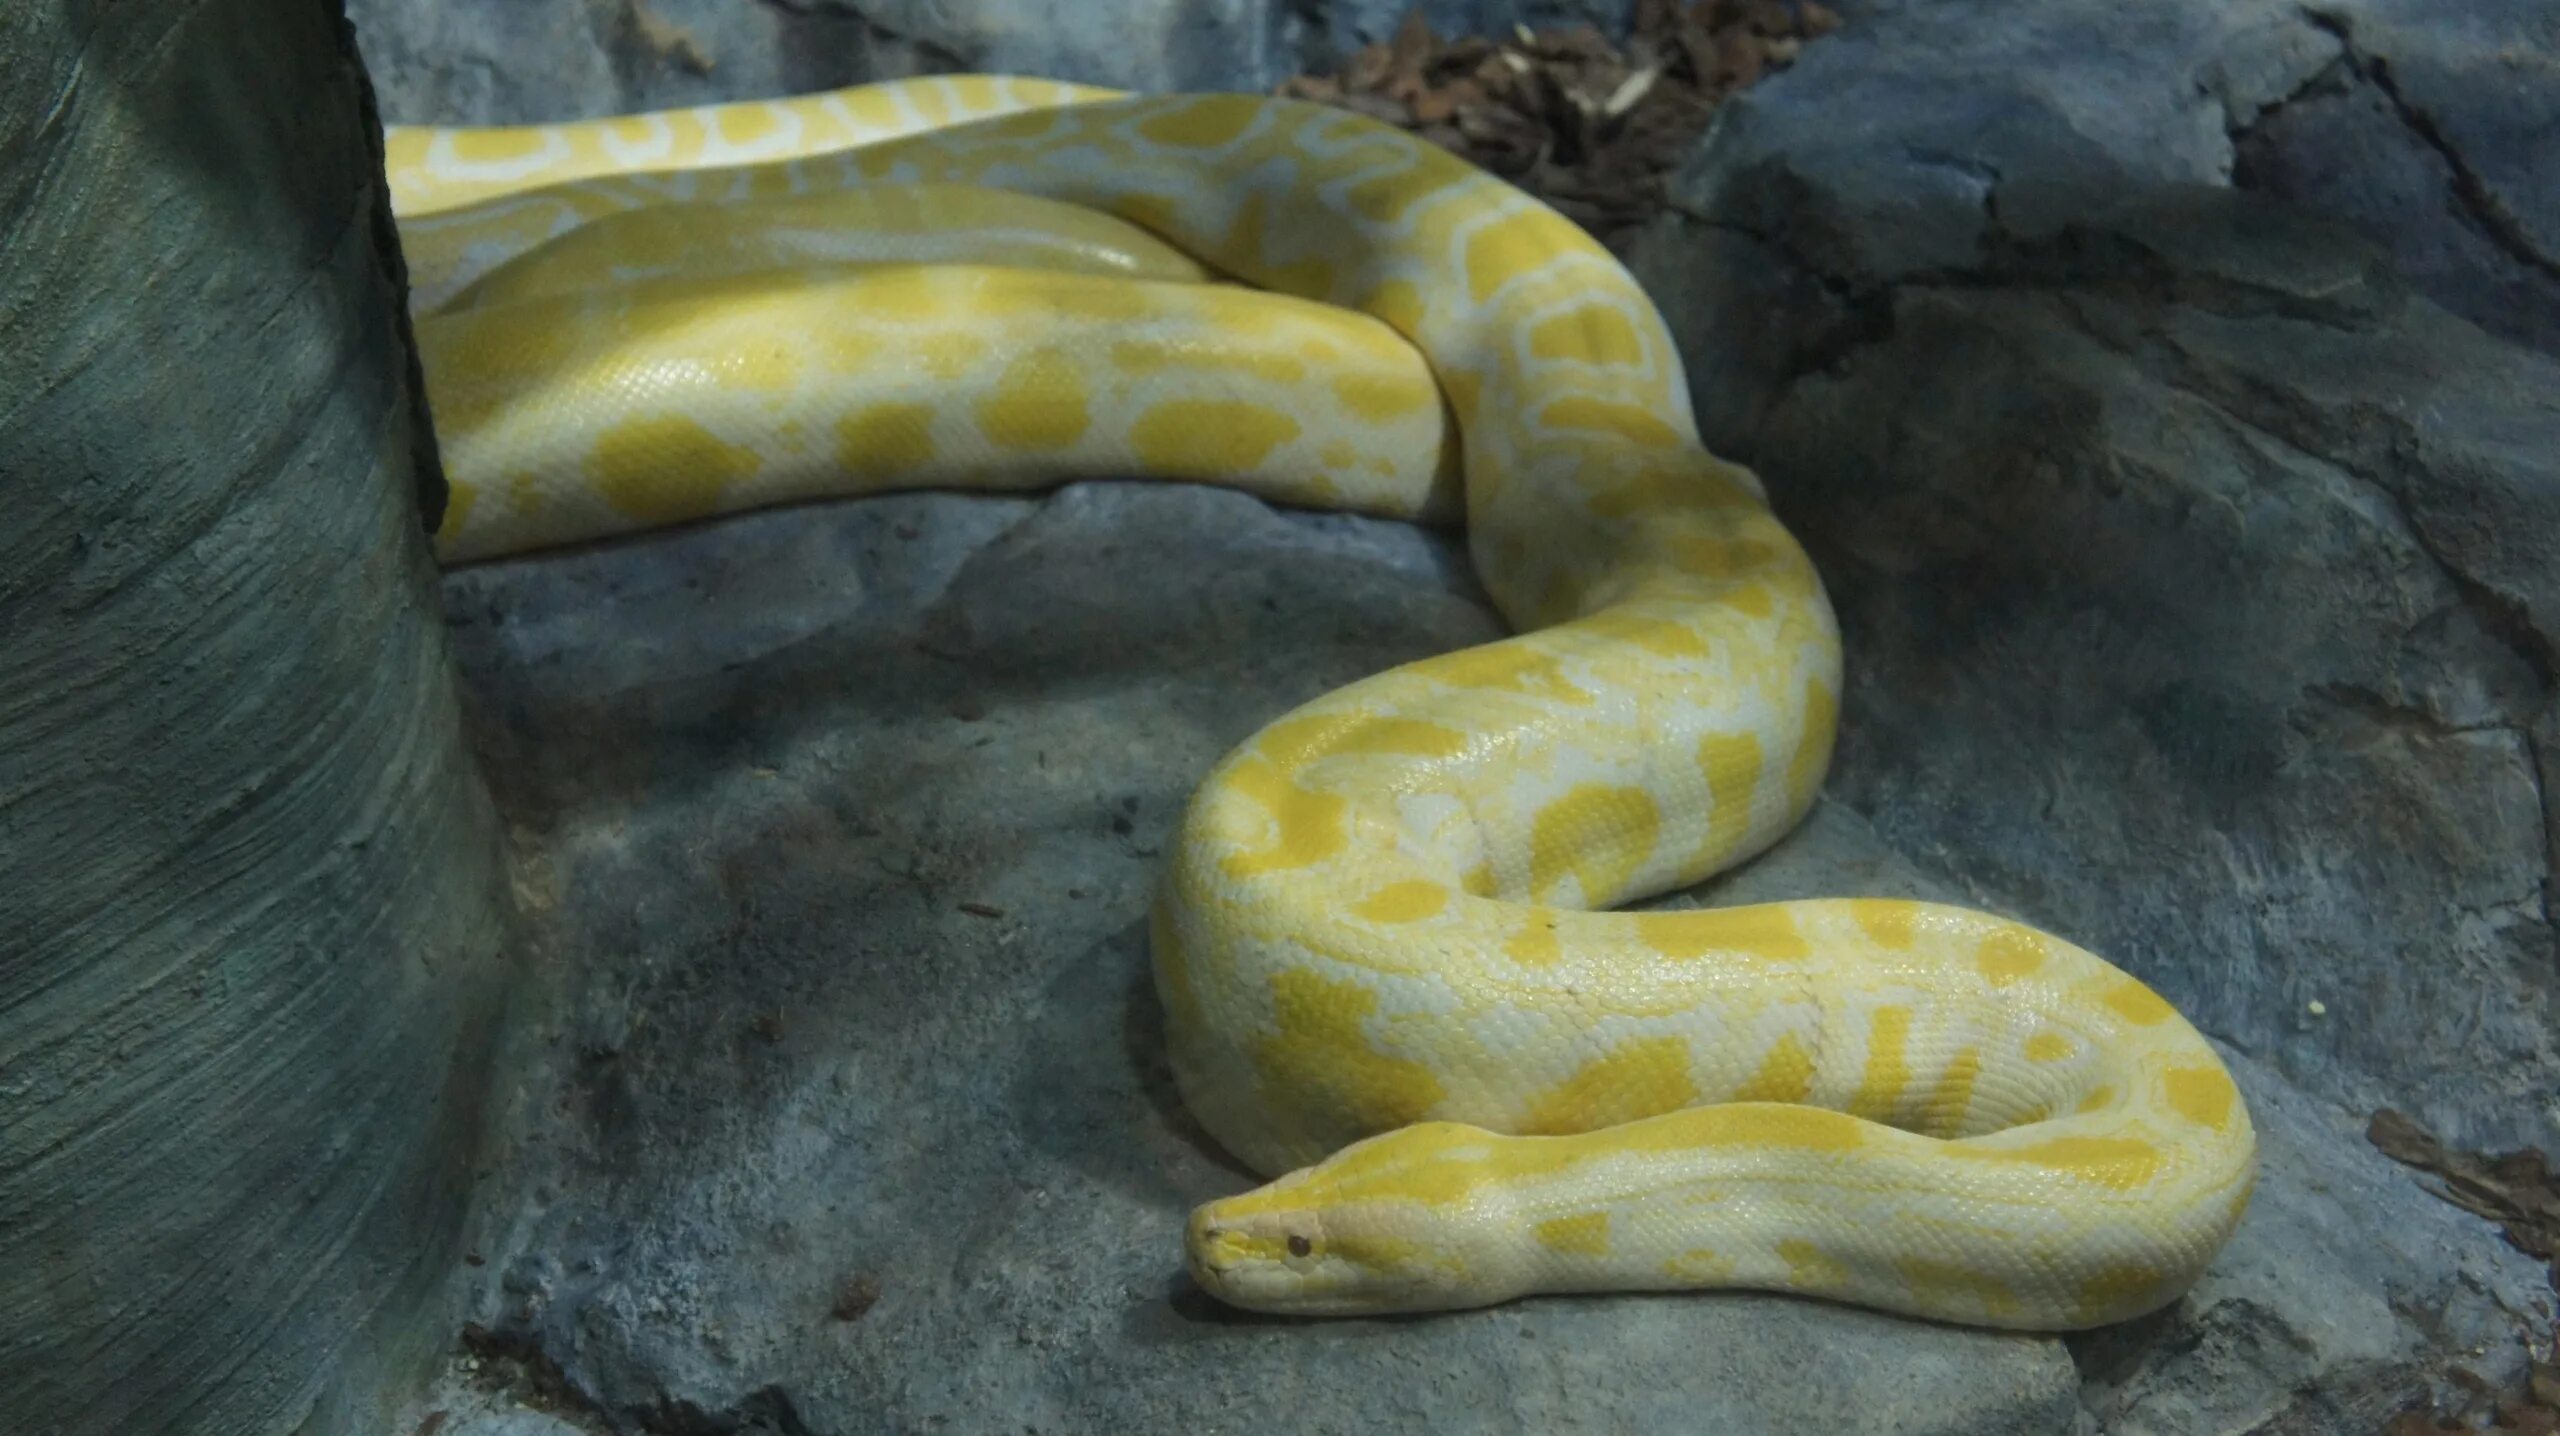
column 1219, row 1254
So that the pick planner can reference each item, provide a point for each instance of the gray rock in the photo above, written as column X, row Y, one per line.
column 773, row 761
column 2195, row 570
column 2436, row 132
column 517, row 61
column 842, row 823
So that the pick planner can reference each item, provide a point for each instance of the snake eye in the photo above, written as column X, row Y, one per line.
column 1299, row 1246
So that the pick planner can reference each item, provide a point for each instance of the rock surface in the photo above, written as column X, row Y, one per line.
column 2436, row 131
column 2195, row 570
column 516, row 61
column 850, row 1114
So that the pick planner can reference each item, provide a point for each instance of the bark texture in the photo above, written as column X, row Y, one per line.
column 250, row 893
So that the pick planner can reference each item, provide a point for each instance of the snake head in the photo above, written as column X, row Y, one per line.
column 1378, row 1228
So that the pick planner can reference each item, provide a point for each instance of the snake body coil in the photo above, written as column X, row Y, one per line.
column 1387, row 975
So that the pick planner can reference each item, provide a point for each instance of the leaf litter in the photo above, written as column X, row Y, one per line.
column 1592, row 126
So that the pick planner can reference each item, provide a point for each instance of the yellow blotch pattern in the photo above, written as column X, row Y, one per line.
column 1150, row 356
column 1949, row 1285
column 1665, row 637
column 1592, row 334
column 1403, row 902
column 2048, row 1047
column 1039, row 404
column 2138, row 1004
column 746, row 124
column 2203, row 1095
column 666, row 468
column 1953, row 1095
column 1535, row 945
column 884, row 441
column 2118, row 1163
column 1310, row 826
column 1209, row 437
column 2008, row 954
column 1378, row 399
column 1599, row 834
column 1513, row 666
column 499, row 145
column 1813, row 742
column 1632, row 422
column 1698, row 1264
column 1293, row 743
column 1323, row 1058
column 1398, row 303
column 1584, row 1235
column 1764, row 1124
column 1888, row 1064
column 1731, row 763
column 1766, row 931
column 1887, row 924
column 1785, row 1075
column 1640, row 1079
column 1210, row 123
column 1809, row 1269
column 1510, row 247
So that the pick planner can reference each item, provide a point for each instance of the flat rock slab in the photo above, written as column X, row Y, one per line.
column 843, row 1107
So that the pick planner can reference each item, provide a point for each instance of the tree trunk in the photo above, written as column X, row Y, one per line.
column 251, row 905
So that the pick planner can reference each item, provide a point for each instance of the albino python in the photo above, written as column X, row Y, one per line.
column 1387, row 978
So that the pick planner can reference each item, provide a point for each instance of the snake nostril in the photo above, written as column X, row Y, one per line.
column 1299, row 1246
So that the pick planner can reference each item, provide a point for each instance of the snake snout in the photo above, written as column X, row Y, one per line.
column 1252, row 1261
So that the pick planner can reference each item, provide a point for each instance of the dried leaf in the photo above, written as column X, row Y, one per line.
column 2522, row 1420
column 1320, row 88
column 1376, row 107
column 1705, row 55
column 1630, row 93
column 1366, row 67
column 1738, row 60
column 1432, row 106
column 1408, row 56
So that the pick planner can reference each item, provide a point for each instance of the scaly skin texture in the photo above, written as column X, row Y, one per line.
column 1385, row 971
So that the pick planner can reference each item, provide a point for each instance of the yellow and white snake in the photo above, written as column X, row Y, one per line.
column 1387, row 976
